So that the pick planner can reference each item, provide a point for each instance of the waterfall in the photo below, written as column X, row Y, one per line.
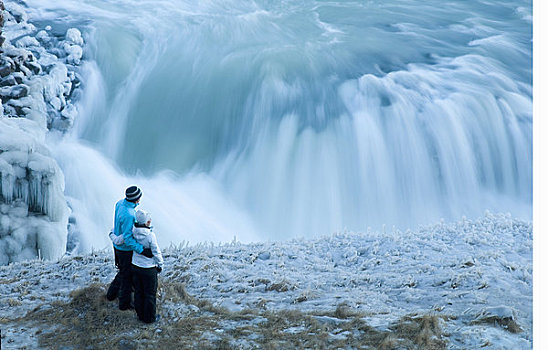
column 261, row 120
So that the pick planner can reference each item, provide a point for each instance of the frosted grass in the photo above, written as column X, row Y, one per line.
column 473, row 276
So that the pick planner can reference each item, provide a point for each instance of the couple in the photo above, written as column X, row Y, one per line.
column 137, row 257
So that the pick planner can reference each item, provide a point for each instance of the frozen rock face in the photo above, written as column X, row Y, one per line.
column 38, row 72
column 37, row 83
column 2, row 8
column 33, row 209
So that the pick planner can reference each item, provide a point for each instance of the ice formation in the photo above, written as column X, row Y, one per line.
column 36, row 86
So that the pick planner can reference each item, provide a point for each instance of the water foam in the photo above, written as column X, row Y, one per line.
column 296, row 119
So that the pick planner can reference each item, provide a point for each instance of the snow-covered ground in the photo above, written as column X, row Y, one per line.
column 472, row 280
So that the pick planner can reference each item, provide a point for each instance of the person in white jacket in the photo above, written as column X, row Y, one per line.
column 145, row 270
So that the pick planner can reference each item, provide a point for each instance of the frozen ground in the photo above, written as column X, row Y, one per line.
column 464, row 285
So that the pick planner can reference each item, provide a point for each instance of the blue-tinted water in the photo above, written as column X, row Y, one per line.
column 297, row 118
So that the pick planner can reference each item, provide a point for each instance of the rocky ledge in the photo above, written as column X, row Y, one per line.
column 38, row 83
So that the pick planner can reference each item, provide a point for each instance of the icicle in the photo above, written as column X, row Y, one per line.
column 7, row 179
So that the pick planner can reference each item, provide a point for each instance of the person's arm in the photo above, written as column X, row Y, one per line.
column 117, row 240
column 158, row 258
column 127, row 233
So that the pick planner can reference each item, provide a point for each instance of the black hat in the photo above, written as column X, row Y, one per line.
column 133, row 193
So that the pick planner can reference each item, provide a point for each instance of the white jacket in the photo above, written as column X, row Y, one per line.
column 117, row 240
column 147, row 238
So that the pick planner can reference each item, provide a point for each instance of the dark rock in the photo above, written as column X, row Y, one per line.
column 20, row 111
column 34, row 67
column 6, row 69
column 2, row 8
column 10, row 111
column 7, row 66
column 19, row 77
column 25, row 70
column 46, row 69
column 19, row 57
column 8, row 81
column 18, row 16
column 16, row 91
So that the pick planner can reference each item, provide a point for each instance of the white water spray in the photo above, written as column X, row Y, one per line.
column 268, row 121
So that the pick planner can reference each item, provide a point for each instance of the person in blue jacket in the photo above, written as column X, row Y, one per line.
column 124, row 245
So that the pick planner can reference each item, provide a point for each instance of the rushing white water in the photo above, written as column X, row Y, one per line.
column 269, row 120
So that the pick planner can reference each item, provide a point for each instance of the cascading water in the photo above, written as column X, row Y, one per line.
column 270, row 120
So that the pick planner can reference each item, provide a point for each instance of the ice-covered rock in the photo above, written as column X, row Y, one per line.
column 17, row 12
column 2, row 8
column 74, row 36
column 43, row 36
column 16, row 91
column 32, row 188
column 35, row 90
column 33, row 66
column 74, row 53
column 27, row 41
column 5, row 69
column 73, row 46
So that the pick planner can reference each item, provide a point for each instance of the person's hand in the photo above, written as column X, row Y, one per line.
column 147, row 252
column 159, row 269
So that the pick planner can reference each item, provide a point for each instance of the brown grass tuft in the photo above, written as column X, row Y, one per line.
column 343, row 311
column 506, row 323
column 423, row 331
column 173, row 292
column 88, row 320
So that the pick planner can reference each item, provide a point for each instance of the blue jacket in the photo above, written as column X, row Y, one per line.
column 124, row 218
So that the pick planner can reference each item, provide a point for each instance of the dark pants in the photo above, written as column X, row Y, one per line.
column 122, row 285
column 145, row 282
